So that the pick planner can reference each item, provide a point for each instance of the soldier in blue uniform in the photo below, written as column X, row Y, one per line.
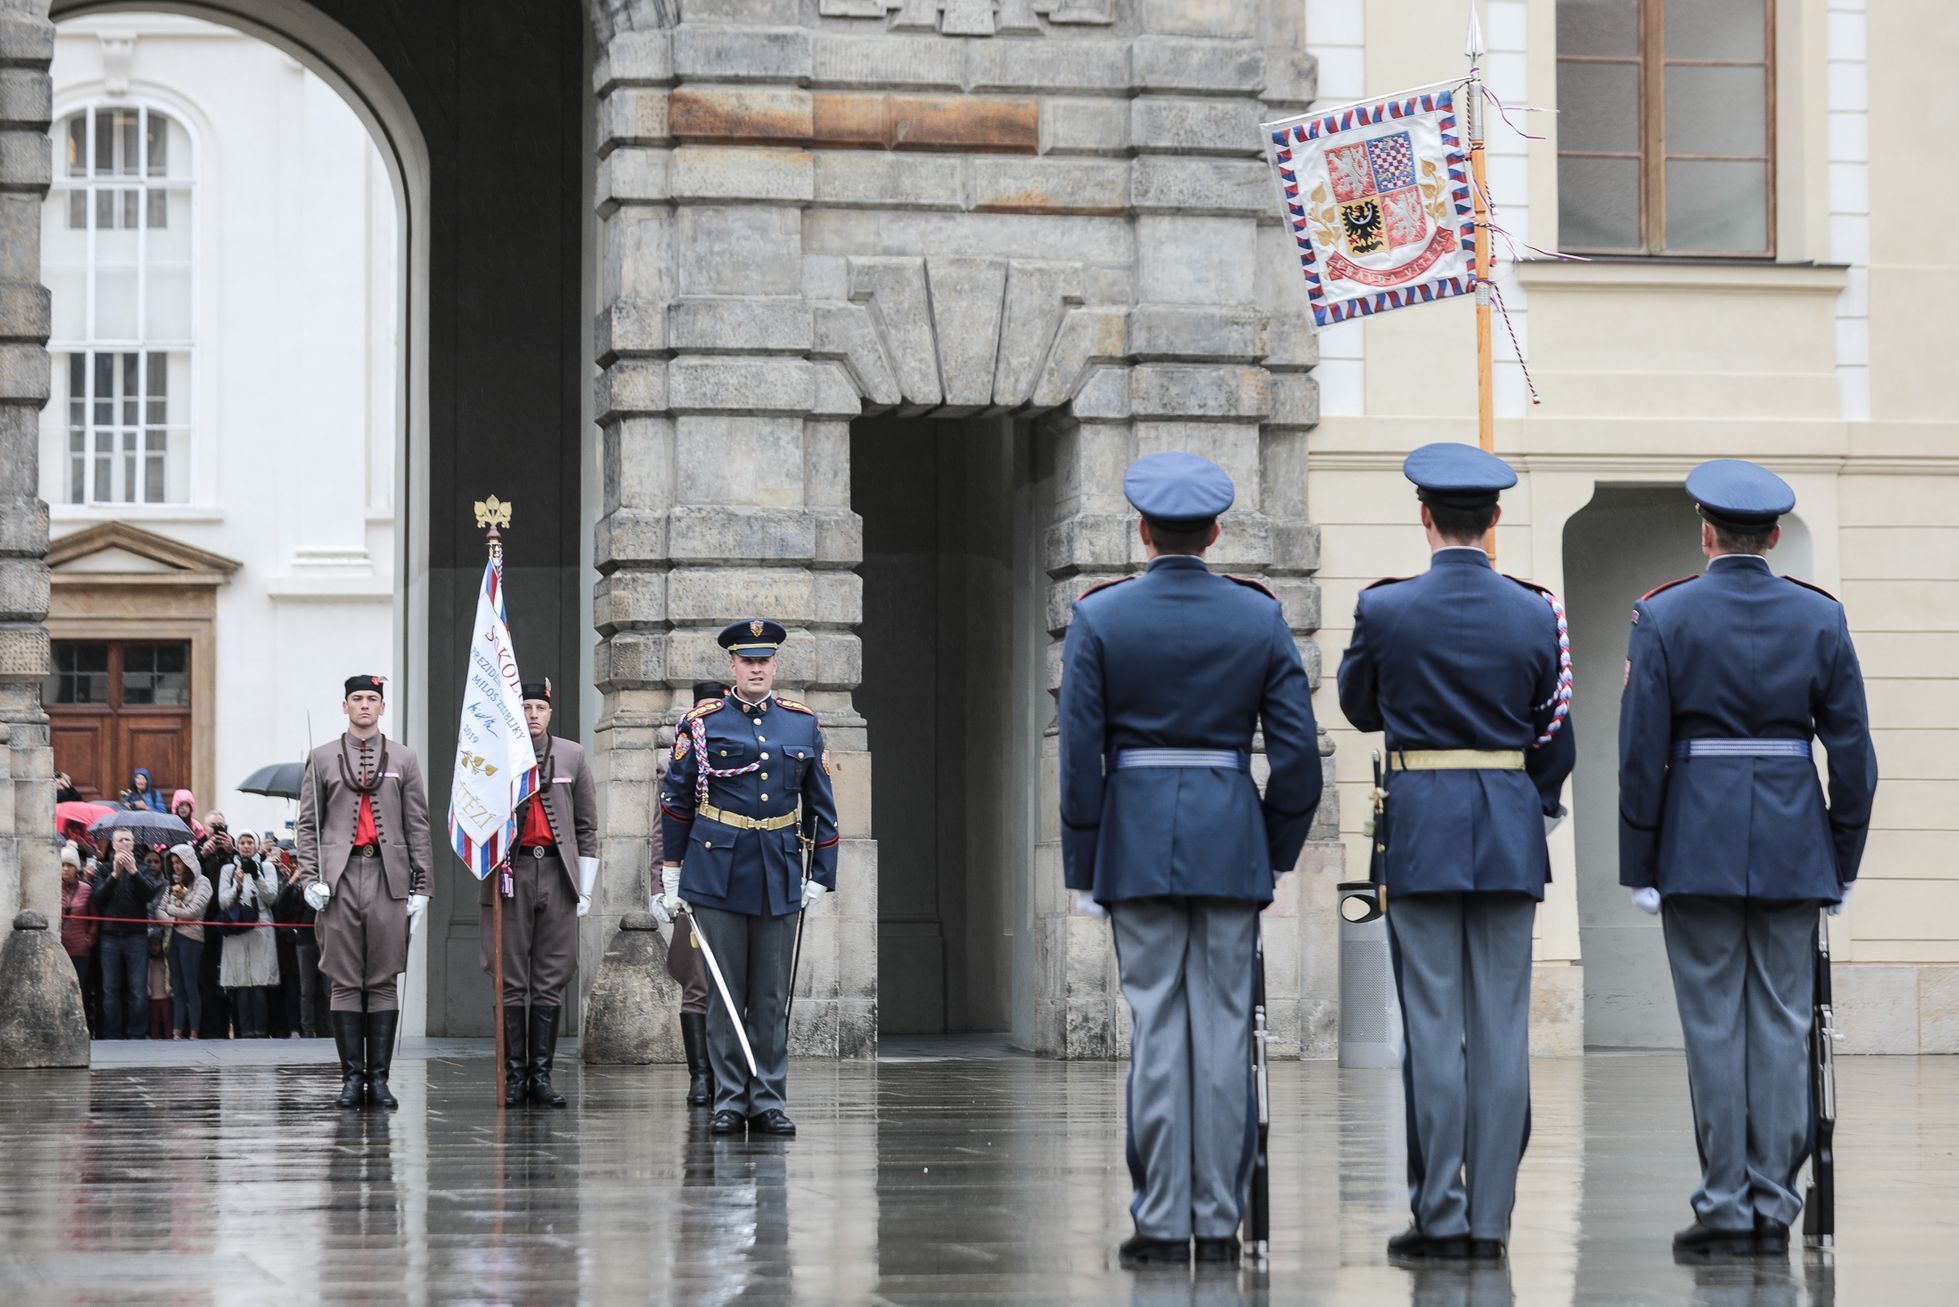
column 1165, row 678
column 748, row 782
column 1724, row 831
column 1467, row 671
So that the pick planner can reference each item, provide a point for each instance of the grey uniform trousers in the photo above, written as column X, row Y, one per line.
column 1462, row 968
column 754, row 954
column 540, row 931
column 1186, row 969
column 1744, row 978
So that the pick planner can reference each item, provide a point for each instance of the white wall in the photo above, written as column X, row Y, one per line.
column 293, row 447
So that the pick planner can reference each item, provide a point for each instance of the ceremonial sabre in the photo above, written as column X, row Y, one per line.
column 1820, row 1203
column 1258, row 1212
column 807, row 843
column 734, row 1017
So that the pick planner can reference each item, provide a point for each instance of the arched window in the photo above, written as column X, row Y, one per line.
column 116, row 240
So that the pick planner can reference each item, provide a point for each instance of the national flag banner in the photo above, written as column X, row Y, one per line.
column 496, row 768
column 1376, row 197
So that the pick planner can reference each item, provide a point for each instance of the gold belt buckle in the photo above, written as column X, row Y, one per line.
column 367, row 851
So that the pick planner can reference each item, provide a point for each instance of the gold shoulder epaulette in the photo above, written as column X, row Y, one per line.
column 793, row 706
column 703, row 709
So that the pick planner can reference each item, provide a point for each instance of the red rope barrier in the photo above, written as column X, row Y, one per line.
column 173, row 921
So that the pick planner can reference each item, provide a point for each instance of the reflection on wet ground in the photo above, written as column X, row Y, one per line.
column 916, row 1180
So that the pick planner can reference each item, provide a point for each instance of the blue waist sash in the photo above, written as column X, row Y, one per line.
column 1740, row 749
column 1229, row 759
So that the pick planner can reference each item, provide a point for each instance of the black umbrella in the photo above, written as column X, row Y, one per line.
column 279, row 780
column 146, row 827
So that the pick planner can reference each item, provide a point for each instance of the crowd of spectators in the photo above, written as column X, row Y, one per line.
column 209, row 938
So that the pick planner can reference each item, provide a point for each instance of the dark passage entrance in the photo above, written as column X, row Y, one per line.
column 953, row 694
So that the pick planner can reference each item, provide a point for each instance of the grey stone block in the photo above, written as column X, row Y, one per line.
column 1292, row 80
column 727, row 459
column 845, row 333
column 1199, row 391
column 739, row 325
column 23, row 586
column 1163, row 125
column 637, row 460
column 639, row 58
column 1049, row 186
column 886, row 62
column 630, row 387
column 1037, row 296
column 775, row 13
column 1088, row 337
column 1295, row 400
column 717, row 250
column 1183, row 260
column 637, row 254
column 1183, row 185
column 632, row 1012
column 629, row 536
column 42, row 1023
column 725, row 172
column 1291, row 344
column 23, row 373
column 23, row 526
column 854, row 179
column 732, row 383
column 1198, row 65
column 1047, row 66
column 26, row 35
column 630, row 660
column 966, row 299
column 629, row 599
column 706, row 595
column 631, row 175
column 632, row 115
column 24, row 311
column 836, row 395
column 1195, row 333
column 26, row 97
column 741, row 54
column 629, row 327
column 1200, row 17
column 894, row 292
column 1081, row 125
column 1103, row 396
column 718, row 533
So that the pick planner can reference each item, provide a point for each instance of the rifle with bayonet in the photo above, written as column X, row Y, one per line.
column 1820, row 1204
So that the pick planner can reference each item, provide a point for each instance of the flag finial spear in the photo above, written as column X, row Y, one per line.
column 1472, row 43
column 492, row 514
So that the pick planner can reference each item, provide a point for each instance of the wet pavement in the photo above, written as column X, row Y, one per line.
column 218, row 1174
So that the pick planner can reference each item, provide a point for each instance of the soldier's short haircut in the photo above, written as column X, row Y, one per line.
column 1742, row 540
column 1181, row 542
column 1462, row 525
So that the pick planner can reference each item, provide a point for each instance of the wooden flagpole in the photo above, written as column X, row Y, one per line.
column 1479, row 191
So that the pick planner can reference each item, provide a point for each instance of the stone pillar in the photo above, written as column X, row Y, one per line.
column 41, row 1021
column 727, row 474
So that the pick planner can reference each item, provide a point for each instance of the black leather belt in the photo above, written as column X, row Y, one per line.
column 538, row 851
column 367, row 850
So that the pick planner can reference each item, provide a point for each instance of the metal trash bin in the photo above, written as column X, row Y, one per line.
column 1370, row 1022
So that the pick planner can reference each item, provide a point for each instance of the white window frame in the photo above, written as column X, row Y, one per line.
column 90, row 346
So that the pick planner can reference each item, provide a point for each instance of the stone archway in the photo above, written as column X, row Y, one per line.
column 802, row 224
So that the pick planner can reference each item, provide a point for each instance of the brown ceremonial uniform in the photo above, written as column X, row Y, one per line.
column 363, row 930
column 540, row 920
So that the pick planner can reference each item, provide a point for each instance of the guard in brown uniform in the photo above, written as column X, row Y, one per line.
column 557, row 830
column 684, row 961
column 364, row 858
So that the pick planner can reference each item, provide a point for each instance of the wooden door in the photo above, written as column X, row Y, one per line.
column 116, row 705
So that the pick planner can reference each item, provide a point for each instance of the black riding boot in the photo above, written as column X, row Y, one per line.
column 381, row 1056
column 353, row 1070
column 513, row 1054
column 693, row 1035
column 544, row 1047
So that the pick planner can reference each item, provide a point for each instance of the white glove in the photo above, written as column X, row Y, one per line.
column 417, row 905
column 584, row 904
column 656, row 904
column 1836, row 909
column 1086, row 905
column 670, row 893
column 812, row 895
column 317, row 895
column 1647, row 900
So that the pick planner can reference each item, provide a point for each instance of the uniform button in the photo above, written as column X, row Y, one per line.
column 765, row 757
column 763, row 738
column 765, row 798
column 765, row 776
column 707, row 844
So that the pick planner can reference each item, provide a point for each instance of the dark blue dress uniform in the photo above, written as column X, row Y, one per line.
column 1166, row 677
column 739, row 843
column 1467, row 672
column 1729, row 677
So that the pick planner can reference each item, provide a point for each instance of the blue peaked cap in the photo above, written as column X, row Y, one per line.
column 1735, row 492
column 1178, row 491
column 1456, row 475
column 752, row 637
